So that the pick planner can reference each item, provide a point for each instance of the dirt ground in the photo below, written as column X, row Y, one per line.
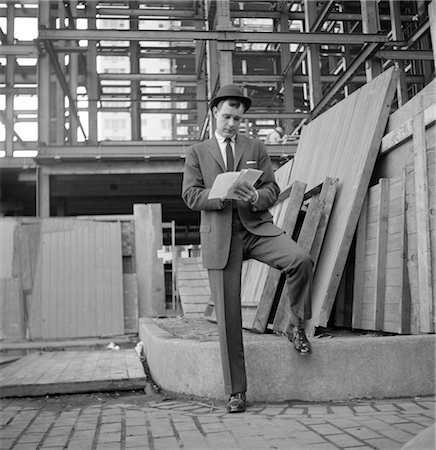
column 205, row 330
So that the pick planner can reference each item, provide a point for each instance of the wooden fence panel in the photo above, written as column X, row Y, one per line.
column 78, row 289
column 381, row 299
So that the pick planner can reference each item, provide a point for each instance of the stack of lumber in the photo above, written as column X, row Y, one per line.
column 343, row 143
column 395, row 269
column 193, row 286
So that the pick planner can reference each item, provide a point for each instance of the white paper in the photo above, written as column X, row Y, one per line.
column 224, row 182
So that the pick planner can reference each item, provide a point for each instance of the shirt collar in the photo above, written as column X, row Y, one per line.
column 221, row 139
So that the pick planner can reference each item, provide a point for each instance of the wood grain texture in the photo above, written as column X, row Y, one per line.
column 381, row 302
column 78, row 288
column 47, row 373
column 343, row 143
column 310, row 237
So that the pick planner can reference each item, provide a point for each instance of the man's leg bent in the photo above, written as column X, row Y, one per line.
column 285, row 254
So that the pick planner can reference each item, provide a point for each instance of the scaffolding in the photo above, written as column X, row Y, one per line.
column 164, row 60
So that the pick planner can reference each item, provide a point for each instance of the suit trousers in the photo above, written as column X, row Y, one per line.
column 280, row 252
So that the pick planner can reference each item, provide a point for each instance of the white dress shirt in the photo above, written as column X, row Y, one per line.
column 222, row 143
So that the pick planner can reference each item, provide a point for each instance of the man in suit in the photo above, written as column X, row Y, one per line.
column 234, row 230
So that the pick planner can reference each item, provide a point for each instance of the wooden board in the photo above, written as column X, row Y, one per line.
column 12, row 312
column 78, row 288
column 150, row 270
column 310, row 238
column 7, row 232
column 130, row 300
column 343, row 143
column 381, row 298
column 71, row 372
column 413, row 258
column 11, row 309
column 424, row 253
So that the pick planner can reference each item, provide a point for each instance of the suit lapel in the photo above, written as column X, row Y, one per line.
column 214, row 148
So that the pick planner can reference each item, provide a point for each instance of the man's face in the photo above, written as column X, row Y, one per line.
column 228, row 118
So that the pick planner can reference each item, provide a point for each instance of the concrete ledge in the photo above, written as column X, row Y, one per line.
column 338, row 369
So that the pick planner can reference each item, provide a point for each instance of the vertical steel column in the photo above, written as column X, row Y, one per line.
column 371, row 24
column 43, row 71
column 397, row 35
column 226, row 48
column 313, row 56
column 42, row 192
column 425, row 43
column 432, row 18
column 135, row 115
column 288, row 83
column 73, row 81
column 91, row 76
column 59, row 125
column 10, row 75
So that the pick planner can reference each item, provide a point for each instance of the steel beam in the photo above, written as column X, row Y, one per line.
column 180, row 36
column 405, row 54
column 61, row 78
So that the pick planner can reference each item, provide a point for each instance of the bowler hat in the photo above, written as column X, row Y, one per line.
column 231, row 91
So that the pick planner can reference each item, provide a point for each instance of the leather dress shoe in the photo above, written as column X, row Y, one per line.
column 236, row 403
column 297, row 335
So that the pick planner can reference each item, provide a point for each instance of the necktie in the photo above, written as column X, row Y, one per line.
column 229, row 156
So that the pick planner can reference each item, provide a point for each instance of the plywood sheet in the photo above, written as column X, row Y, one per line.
column 343, row 143
column 78, row 289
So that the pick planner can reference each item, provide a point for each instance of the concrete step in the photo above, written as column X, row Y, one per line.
column 339, row 368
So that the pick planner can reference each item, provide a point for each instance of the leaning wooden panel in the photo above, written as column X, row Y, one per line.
column 346, row 149
column 310, row 238
column 272, row 288
column 78, row 288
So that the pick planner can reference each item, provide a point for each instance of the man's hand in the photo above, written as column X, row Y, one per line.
column 246, row 192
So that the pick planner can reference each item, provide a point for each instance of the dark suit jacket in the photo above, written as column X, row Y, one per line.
column 203, row 163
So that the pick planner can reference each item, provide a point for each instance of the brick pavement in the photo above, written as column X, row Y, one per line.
column 161, row 422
